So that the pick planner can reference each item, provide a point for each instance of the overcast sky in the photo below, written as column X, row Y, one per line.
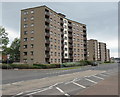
column 101, row 19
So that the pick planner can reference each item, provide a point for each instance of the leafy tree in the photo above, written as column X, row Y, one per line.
column 4, row 40
column 14, row 50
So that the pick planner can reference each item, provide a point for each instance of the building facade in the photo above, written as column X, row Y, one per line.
column 102, row 51
column 92, row 50
column 97, row 51
column 49, row 37
column 108, row 55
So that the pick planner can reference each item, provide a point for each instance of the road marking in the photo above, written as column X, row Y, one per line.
column 20, row 93
column 98, row 77
column 38, row 91
column 79, row 85
column 62, row 91
column 102, row 74
column 17, row 82
column 91, row 80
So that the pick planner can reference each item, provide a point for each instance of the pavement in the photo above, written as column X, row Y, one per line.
column 66, row 82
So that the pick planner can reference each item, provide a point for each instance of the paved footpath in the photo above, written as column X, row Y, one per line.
column 108, row 86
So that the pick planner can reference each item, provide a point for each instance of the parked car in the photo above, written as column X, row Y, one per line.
column 94, row 64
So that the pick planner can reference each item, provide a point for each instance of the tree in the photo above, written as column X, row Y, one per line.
column 14, row 50
column 4, row 40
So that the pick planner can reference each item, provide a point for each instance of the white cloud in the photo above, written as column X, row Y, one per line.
column 12, row 34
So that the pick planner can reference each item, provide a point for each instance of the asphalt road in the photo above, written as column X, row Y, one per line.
column 22, row 83
column 12, row 76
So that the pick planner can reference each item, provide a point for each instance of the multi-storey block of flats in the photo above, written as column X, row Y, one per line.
column 49, row 37
column 97, row 51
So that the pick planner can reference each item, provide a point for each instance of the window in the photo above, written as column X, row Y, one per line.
column 26, row 12
column 25, row 46
column 58, row 60
column 65, row 49
column 32, row 38
column 51, row 39
column 65, row 43
column 55, row 46
column 24, row 53
column 32, row 11
column 25, row 32
column 51, row 13
column 74, row 39
column 25, row 39
column 65, row 54
column 32, row 45
column 55, row 53
column 77, row 34
column 58, row 47
column 78, row 40
column 32, row 31
column 51, row 60
column 25, row 60
column 51, row 32
column 55, row 40
column 74, row 45
column 25, row 25
column 58, row 41
column 78, row 45
column 78, row 50
column 65, row 38
column 51, row 46
column 31, row 52
column 51, row 53
column 50, row 19
column 55, row 60
column 32, row 25
column 65, row 32
column 32, row 18
column 58, row 54
column 74, row 55
column 74, row 49
column 25, row 19
column 51, row 26
column 65, row 21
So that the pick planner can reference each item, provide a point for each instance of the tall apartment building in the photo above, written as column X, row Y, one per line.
column 49, row 37
column 92, row 46
column 102, row 52
column 108, row 55
column 97, row 51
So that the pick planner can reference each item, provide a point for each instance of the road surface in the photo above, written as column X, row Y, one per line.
column 55, row 82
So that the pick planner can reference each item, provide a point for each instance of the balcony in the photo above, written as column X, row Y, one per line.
column 84, row 30
column 70, row 35
column 84, row 27
column 70, row 30
column 70, row 41
column 47, row 13
column 47, row 35
column 47, row 20
column 47, row 27
column 70, row 46
column 47, row 56
column 47, row 42
column 47, row 48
